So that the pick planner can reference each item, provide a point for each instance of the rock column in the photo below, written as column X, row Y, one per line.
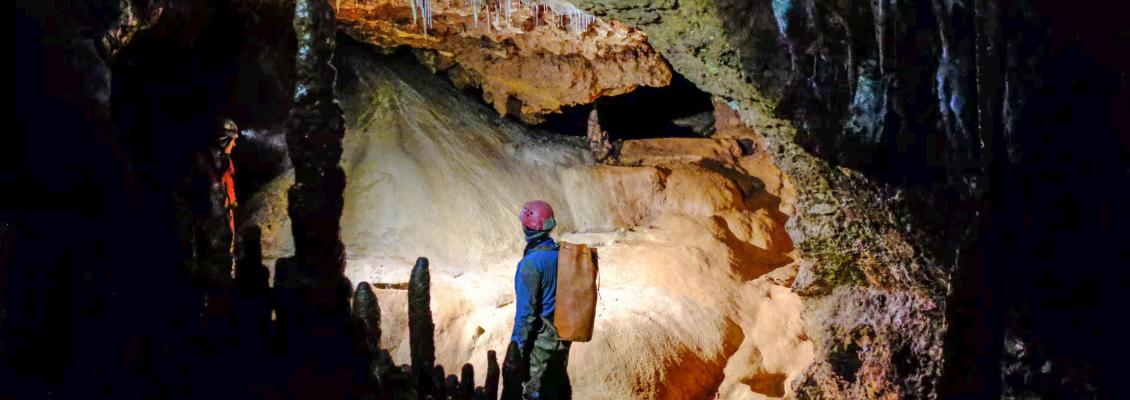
column 314, row 132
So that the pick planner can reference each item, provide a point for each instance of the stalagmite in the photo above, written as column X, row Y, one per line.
column 285, row 293
column 492, row 375
column 252, row 282
column 513, row 373
column 466, row 390
column 251, row 277
column 421, row 330
column 439, row 383
column 597, row 138
column 451, row 387
column 368, row 310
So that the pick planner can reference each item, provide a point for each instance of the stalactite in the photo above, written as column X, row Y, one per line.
column 421, row 330
column 412, row 5
column 564, row 16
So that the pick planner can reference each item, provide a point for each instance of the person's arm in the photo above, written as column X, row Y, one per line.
column 527, row 282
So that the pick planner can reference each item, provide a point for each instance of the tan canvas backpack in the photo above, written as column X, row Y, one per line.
column 575, row 309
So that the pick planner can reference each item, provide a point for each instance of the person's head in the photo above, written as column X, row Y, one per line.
column 537, row 219
column 226, row 135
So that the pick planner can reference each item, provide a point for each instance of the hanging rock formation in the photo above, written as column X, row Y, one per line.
column 527, row 65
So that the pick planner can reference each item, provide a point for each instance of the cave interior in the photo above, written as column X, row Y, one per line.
column 1021, row 208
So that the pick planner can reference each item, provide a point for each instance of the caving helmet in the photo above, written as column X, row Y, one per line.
column 537, row 215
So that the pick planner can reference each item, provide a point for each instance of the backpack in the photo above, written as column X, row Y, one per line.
column 576, row 292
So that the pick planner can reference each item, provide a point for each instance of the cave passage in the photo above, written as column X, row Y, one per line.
column 680, row 109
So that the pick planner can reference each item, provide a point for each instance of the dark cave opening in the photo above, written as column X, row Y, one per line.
column 680, row 109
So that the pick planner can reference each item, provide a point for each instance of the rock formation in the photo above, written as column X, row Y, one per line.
column 314, row 132
column 421, row 331
column 891, row 189
column 599, row 144
column 528, row 64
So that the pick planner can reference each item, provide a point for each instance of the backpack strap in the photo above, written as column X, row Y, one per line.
column 540, row 248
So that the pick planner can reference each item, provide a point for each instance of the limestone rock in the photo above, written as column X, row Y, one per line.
column 756, row 58
column 653, row 152
column 526, row 65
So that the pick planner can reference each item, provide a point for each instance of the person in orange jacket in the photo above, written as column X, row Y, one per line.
column 214, row 202
column 229, row 132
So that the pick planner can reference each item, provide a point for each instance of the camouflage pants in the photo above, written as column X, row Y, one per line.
column 548, row 379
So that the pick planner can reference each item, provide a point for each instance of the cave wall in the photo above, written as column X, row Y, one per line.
column 113, row 98
column 919, row 136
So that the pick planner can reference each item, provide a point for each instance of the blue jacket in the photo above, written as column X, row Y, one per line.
column 535, row 288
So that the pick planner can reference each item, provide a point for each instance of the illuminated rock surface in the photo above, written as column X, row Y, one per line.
column 527, row 66
column 695, row 266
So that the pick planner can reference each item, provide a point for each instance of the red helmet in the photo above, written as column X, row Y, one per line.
column 534, row 215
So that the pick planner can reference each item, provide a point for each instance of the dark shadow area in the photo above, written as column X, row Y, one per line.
column 678, row 110
column 570, row 121
column 1005, row 126
column 95, row 298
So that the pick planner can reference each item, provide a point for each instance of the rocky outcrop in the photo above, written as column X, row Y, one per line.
column 859, row 252
column 527, row 64
column 913, row 132
column 676, row 150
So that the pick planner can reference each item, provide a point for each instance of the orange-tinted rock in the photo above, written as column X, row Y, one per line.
column 525, row 67
column 778, row 192
column 666, row 151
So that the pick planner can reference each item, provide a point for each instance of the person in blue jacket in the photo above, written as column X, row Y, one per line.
column 535, row 287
